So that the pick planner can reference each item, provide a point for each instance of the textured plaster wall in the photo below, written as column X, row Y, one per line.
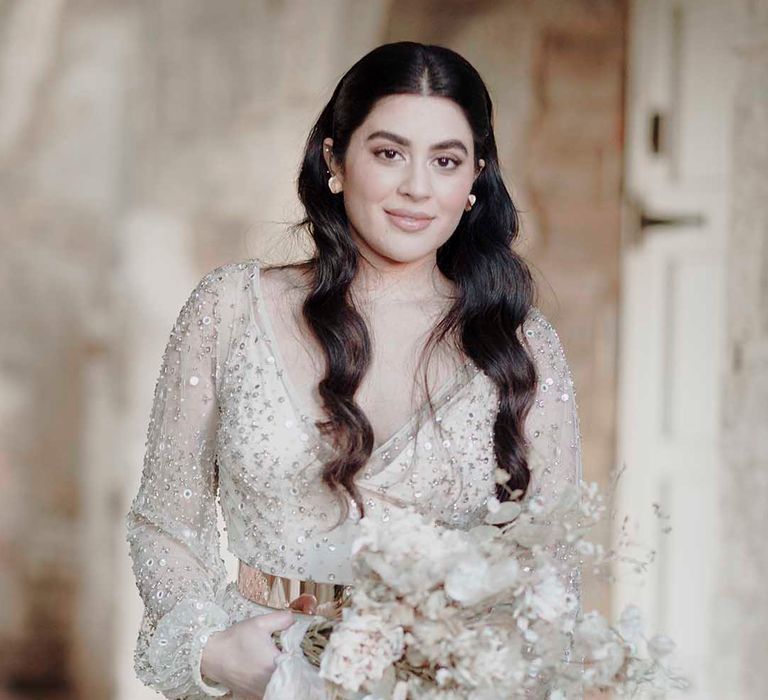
column 742, row 612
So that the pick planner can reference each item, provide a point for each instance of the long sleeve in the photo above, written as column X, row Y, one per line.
column 171, row 527
column 554, row 434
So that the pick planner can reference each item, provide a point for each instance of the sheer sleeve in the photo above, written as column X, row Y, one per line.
column 553, row 432
column 171, row 526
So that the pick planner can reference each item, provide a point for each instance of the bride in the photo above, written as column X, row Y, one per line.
column 399, row 366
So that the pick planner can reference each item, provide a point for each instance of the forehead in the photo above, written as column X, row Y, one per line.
column 419, row 118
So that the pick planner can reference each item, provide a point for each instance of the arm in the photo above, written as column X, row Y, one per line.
column 553, row 431
column 171, row 527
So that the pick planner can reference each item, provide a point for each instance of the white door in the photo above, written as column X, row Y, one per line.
column 681, row 70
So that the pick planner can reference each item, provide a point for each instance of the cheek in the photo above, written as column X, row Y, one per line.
column 453, row 195
column 452, row 199
column 366, row 192
column 369, row 184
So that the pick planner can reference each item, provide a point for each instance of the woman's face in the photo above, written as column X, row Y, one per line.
column 412, row 154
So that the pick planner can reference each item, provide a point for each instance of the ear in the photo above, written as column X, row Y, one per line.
column 330, row 161
column 327, row 145
column 480, row 166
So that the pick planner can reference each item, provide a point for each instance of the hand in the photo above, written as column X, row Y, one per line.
column 242, row 657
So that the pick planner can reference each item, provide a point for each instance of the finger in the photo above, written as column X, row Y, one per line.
column 279, row 621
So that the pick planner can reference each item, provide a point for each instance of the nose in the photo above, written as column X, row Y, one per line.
column 416, row 182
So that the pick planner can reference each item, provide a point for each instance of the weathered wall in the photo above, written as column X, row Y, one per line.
column 742, row 608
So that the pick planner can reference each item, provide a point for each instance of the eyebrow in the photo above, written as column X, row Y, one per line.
column 450, row 143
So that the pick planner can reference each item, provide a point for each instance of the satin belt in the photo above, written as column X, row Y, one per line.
column 282, row 592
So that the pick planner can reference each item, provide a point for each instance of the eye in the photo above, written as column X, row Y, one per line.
column 385, row 150
column 456, row 163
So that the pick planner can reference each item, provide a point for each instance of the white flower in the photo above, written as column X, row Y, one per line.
column 435, row 604
column 486, row 660
column 592, row 629
column 660, row 645
column 360, row 648
column 384, row 687
column 548, row 599
column 431, row 639
column 606, row 662
column 414, row 652
column 443, row 676
column 409, row 555
column 401, row 691
column 474, row 579
column 597, row 642
column 483, row 533
column 631, row 624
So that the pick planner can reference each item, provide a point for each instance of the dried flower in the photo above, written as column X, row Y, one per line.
column 360, row 649
column 443, row 614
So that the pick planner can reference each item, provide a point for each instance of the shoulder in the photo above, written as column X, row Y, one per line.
column 276, row 279
column 216, row 291
column 222, row 279
column 231, row 285
column 537, row 329
column 536, row 324
column 541, row 338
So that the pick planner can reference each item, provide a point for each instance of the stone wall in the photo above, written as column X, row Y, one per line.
column 742, row 610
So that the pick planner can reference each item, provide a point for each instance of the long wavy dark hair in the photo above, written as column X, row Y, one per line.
column 494, row 286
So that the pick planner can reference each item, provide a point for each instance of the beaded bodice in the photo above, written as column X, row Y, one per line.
column 280, row 517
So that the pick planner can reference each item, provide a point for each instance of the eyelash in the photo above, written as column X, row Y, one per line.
column 455, row 161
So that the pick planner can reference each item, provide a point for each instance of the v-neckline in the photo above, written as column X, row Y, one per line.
column 302, row 410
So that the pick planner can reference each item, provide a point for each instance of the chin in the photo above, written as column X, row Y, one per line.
column 402, row 247
column 407, row 254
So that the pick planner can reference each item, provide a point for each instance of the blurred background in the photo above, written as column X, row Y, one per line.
column 144, row 142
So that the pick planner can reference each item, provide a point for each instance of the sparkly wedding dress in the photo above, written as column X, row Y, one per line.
column 226, row 424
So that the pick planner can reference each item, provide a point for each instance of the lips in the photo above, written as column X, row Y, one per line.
column 409, row 214
column 408, row 223
column 408, row 220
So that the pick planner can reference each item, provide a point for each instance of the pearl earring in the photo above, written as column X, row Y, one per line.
column 472, row 199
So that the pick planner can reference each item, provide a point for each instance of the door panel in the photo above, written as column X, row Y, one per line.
column 680, row 97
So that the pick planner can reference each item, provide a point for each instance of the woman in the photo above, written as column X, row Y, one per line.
column 400, row 365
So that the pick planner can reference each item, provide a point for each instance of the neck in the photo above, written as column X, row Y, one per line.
column 386, row 281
